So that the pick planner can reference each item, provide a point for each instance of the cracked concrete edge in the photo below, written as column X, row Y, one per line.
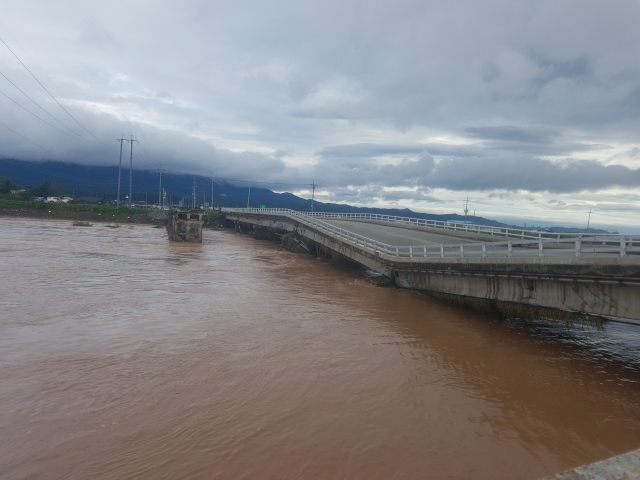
column 622, row 467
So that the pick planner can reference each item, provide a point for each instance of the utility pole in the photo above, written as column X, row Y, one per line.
column 131, row 173
column 466, row 210
column 130, row 169
column 119, row 170
column 160, row 188
column 589, row 221
column 212, row 194
column 194, row 194
column 313, row 193
column 248, row 197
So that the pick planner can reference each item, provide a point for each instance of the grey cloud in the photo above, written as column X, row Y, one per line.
column 237, row 88
column 531, row 174
column 513, row 134
column 371, row 150
column 488, row 149
column 368, row 150
column 361, row 172
column 525, row 173
column 550, row 70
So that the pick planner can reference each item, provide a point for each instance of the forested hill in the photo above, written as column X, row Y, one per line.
column 84, row 180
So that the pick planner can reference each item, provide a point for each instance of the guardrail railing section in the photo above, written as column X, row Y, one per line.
column 525, row 245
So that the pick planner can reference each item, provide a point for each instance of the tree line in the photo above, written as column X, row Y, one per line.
column 45, row 189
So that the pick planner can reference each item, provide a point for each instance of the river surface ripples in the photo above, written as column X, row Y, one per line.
column 125, row 356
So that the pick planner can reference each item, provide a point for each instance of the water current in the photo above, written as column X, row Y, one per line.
column 125, row 356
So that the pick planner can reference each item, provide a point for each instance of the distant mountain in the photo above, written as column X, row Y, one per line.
column 85, row 180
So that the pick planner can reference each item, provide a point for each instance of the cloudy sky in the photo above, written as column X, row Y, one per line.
column 529, row 109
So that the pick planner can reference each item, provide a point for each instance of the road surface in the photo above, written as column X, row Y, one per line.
column 392, row 235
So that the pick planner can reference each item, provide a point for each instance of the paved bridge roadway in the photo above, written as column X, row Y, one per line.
column 395, row 235
column 401, row 235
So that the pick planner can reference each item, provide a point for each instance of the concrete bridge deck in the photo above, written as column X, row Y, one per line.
column 594, row 275
column 405, row 235
column 394, row 234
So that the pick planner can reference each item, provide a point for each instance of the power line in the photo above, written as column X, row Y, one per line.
column 41, row 108
column 144, row 162
column 30, row 57
column 31, row 141
column 145, row 152
column 50, row 94
column 42, row 120
column 35, row 63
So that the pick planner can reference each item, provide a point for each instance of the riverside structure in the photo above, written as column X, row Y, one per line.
column 501, row 271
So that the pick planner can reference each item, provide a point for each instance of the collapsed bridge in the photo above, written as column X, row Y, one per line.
column 502, row 271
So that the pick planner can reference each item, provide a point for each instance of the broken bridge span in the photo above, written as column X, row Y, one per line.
column 497, row 270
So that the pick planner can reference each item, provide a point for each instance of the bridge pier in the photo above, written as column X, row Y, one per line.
column 185, row 227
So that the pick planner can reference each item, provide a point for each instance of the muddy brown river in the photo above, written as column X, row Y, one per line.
column 125, row 356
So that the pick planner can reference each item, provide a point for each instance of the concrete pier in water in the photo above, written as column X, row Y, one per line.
column 186, row 226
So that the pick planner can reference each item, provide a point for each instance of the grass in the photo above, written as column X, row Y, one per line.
column 81, row 212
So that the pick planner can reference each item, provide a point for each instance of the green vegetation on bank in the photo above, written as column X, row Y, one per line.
column 82, row 212
column 213, row 218
column 45, row 189
column 79, row 211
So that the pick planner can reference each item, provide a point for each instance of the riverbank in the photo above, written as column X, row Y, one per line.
column 62, row 211
column 94, row 213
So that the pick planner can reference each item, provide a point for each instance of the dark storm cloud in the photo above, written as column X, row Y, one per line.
column 474, row 173
column 531, row 174
column 409, row 94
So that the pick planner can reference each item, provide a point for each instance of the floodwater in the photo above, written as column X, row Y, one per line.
column 125, row 356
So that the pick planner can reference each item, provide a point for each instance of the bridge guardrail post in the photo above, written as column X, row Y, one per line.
column 441, row 251
column 540, row 247
column 510, row 249
column 484, row 250
column 623, row 247
column 461, row 250
column 410, row 251
column 425, row 250
column 578, row 242
column 397, row 253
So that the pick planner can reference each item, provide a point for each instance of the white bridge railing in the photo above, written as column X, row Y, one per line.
column 520, row 233
column 575, row 246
